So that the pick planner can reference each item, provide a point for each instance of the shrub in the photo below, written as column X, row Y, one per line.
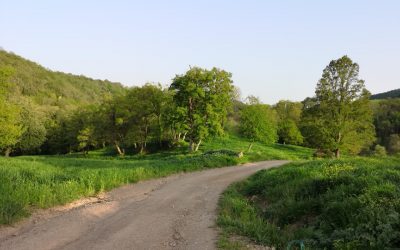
column 380, row 150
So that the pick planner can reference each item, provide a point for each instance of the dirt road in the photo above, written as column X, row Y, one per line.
column 176, row 212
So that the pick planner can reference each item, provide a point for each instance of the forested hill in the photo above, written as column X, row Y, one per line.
column 389, row 94
column 50, row 88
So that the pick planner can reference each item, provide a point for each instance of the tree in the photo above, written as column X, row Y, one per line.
column 288, row 132
column 258, row 123
column 289, row 114
column 251, row 99
column 202, row 98
column 145, row 107
column 339, row 118
column 10, row 119
column 115, row 124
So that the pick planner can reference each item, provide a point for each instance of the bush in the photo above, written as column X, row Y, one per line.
column 380, row 150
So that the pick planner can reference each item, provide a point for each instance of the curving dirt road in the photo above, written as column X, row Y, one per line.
column 176, row 212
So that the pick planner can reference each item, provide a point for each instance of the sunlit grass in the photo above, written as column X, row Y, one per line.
column 330, row 204
column 30, row 182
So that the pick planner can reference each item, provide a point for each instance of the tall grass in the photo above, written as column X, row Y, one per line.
column 31, row 182
column 330, row 204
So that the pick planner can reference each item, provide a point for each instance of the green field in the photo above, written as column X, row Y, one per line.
column 30, row 182
column 329, row 204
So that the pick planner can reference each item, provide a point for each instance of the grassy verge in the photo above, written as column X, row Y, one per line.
column 31, row 182
column 329, row 204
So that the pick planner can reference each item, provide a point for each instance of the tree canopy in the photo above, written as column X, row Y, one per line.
column 258, row 123
column 203, row 98
column 339, row 117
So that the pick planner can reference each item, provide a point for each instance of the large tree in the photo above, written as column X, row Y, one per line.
column 145, row 106
column 203, row 98
column 258, row 123
column 339, row 118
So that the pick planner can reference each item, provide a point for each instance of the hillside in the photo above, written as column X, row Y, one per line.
column 389, row 94
column 51, row 88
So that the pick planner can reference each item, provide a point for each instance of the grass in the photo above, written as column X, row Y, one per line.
column 260, row 151
column 329, row 204
column 31, row 182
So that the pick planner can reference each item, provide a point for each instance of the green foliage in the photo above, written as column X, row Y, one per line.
column 202, row 98
column 380, row 150
column 38, row 103
column 145, row 108
column 34, row 128
column 330, row 204
column 289, row 133
column 339, row 118
column 86, row 138
column 55, row 90
column 10, row 119
column 387, row 123
column 258, row 123
column 394, row 144
column 10, row 126
column 289, row 114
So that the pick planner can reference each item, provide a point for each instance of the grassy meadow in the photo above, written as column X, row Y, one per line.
column 29, row 182
column 328, row 204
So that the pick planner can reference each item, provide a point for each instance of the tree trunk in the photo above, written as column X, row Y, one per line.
column 191, row 145
column 337, row 153
column 184, row 136
column 7, row 152
column 120, row 152
column 250, row 146
column 198, row 145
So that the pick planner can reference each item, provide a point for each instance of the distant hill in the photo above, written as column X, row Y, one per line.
column 50, row 88
column 389, row 94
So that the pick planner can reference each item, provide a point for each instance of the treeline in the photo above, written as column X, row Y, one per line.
column 198, row 105
column 385, row 95
column 193, row 108
column 387, row 124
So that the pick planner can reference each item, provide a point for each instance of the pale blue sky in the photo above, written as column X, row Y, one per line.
column 275, row 49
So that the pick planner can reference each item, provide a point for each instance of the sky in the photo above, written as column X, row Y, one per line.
column 274, row 49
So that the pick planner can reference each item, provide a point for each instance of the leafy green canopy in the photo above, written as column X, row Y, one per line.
column 258, row 123
column 202, row 98
column 10, row 119
column 339, row 117
column 36, row 102
column 387, row 124
column 289, row 114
